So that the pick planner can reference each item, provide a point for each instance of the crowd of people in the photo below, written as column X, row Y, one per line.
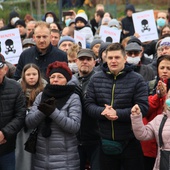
column 93, row 108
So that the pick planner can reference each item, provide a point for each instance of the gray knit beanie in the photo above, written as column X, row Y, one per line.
column 94, row 42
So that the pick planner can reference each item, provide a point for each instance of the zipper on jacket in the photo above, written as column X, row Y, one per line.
column 112, row 102
column 113, row 89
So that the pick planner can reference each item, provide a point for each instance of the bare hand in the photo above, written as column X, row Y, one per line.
column 1, row 136
column 135, row 110
column 161, row 89
column 3, row 141
column 109, row 113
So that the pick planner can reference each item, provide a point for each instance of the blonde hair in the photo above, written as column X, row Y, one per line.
column 42, row 24
column 73, row 50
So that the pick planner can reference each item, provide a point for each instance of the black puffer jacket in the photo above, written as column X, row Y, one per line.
column 12, row 113
column 32, row 55
column 122, row 92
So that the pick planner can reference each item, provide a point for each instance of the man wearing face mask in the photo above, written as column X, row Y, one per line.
column 161, row 21
column 13, row 17
column 134, row 54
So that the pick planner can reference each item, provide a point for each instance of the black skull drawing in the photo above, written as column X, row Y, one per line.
column 145, row 25
column 9, row 46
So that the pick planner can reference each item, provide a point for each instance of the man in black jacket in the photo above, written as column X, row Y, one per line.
column 110, row 96
column 88, row 135
column 42, row 54
column 12, row 116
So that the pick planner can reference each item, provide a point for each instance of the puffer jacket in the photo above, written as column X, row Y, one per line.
column 12, row 113
column 150, row 131
column 121, row 92
column 59, row 151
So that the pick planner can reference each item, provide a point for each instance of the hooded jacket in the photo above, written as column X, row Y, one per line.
column 127, row 22
column 12, row 14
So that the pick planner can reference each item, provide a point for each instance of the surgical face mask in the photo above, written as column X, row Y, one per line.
column 133, row 60
column 168, row 103
column 73, row 67
column 49, row 20
column 115, row 28
column 161, row 22
column 13, row 20
column 67, row 22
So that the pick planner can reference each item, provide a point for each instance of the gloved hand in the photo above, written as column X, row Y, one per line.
column 48, row 106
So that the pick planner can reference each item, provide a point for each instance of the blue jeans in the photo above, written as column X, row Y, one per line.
column 89, row 153
column 7, row 162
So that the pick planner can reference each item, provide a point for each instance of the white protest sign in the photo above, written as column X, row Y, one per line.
column 80, row 39
column 108, row 34
column 145, row 26
column 10, row 45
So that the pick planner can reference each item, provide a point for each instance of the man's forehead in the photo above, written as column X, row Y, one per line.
column 44, row 30
column 66, row 43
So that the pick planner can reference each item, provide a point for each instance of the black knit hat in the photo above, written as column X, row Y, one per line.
column 81, row 17
column 13, row 14
column 20, row 22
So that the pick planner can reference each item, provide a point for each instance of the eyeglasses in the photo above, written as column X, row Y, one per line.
column 135, row 53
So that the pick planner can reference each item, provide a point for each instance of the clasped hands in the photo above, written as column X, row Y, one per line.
column 161, row 89
column 48, row 106
column 109, row 113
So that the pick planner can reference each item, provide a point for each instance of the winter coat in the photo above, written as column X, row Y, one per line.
column 146, row 71
column 59, row 151
column 150, row 131
column 155, row 108
column 122, row 92
column 87, row 32
column 127, row 24
column 33, row 55
column 12, row 113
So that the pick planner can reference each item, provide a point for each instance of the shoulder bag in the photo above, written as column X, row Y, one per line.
column 164, row 155
column 30, row 144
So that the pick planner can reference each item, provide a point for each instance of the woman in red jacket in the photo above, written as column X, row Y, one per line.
column 156, row 104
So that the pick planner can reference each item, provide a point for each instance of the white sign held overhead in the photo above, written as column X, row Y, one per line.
column 108, row 34
column 10, row 45
column 145, row 26
column 80, row 39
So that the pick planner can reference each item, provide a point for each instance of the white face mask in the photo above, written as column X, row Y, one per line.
column 13, row 20
column 73, row 67
column 133, row 60
column 49, row 20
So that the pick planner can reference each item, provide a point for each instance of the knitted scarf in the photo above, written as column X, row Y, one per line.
column 61, row 94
